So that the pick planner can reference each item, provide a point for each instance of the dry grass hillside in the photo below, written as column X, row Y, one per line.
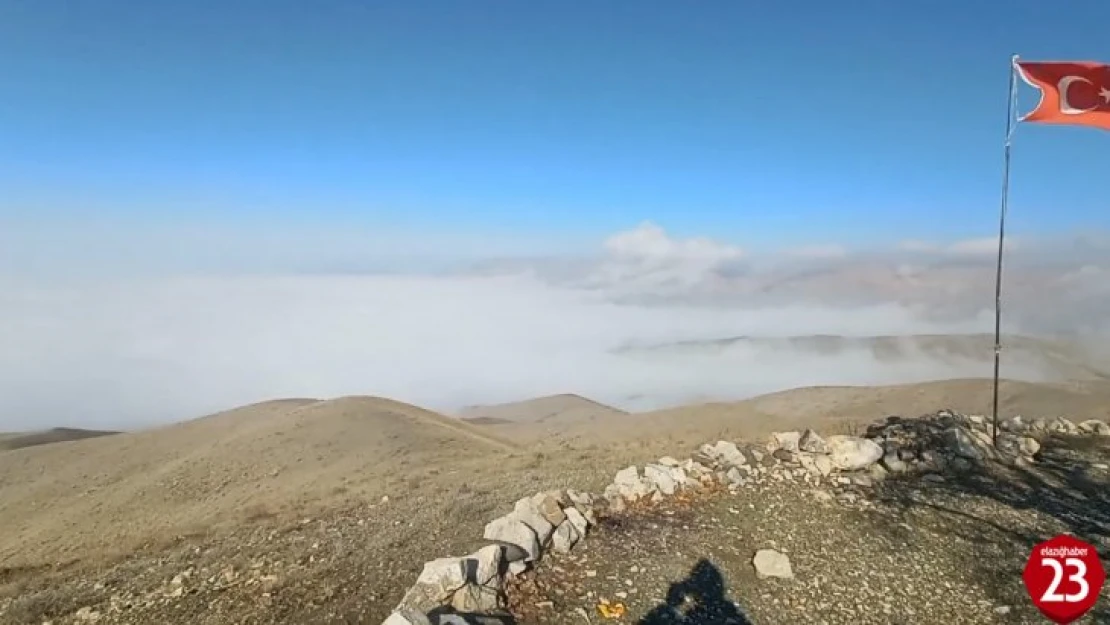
column 1039, row 359
column 842, row 408
column 564, row 407
column 75, row 499
column 223, row 484
column 541, row 418
column 19, row 440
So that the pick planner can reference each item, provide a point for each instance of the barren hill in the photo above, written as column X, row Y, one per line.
column 844, row 408
column 19, row 440
column 1026, row 357
column 533, row 420
column 565, row 407
column 65, row 500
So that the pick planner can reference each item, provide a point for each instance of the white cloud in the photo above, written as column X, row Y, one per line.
column 124, row 353
column 651, row 243
column 984, row 246
column 979, row 247
column 822, row 251
column 647, row 257
column 121, row 348
column 914, row 245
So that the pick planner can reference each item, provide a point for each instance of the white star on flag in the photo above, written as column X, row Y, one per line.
column 1105, row 93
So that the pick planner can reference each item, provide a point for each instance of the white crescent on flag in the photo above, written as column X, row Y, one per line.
column 1065, row 105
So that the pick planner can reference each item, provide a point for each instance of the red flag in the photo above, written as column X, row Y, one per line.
column 1072, row 93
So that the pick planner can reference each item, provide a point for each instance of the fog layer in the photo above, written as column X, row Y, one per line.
column 130, row 350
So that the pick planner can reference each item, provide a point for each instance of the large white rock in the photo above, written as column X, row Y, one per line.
column 628, row 476
column 578, row 521
column 564, row 537
column 631, row 485
column 435, row 586
column 813, row 443
column 486, row 563
column 678, row 474
column 407, row 617
column 725, row 452
column 473, row 598
column 660, row 477
column 513, row 531
column 579, row 498
column 852, row 453
column 1094, row 426
column 785, row 440
column 1063, row 426
column 526, row 510
column 550, row 505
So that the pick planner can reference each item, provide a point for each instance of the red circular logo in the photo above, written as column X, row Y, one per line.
column 1064, row 577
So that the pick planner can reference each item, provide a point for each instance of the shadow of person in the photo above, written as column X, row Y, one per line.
column 697, row 600
column 448, row 616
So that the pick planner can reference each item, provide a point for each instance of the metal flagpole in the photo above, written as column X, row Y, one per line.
column 1011, row 105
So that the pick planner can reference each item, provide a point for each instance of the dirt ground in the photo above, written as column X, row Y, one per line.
column 905, row 551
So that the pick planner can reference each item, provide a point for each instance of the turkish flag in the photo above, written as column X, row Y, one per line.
column 1072, row 93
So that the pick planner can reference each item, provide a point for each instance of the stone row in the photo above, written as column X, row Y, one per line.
column 447, row 588
column 555, row 521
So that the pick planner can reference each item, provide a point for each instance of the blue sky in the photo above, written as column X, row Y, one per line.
column 796, row 123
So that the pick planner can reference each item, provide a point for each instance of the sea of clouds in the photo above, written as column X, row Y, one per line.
column 123, row 345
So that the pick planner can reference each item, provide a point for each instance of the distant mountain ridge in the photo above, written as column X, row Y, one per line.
column 1057, row 359
column 566, row 407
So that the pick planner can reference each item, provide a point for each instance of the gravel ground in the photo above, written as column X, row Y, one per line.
column 904, row 551
column 339, row 565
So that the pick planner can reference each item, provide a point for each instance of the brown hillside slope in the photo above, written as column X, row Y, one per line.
column 840, row 407
column 108, row 494
column 551, row 417
column 19, row 440
column 565, row 407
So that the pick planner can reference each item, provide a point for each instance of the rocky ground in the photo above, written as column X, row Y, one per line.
column 909, row 548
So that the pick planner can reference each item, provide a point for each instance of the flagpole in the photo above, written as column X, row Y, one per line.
column 1010, row 106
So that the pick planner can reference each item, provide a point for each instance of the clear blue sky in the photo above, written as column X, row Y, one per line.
column 847, row 122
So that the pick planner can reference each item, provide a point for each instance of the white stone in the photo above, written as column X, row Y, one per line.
column 813, row 443
column 852, row 453
column 660, row 477
column 771, row 563
column 678, row 474
column 526, row 510
column 728, row 453
column 564, row 537
column 628, row 476
column 578, row 521
column 476, row 599
column 513, row 531
column 1094, row 426
column 579, row 498
column 487, row 563
column 435, row 586
column 407, row 617
column 786, row 440
column 548, row 505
